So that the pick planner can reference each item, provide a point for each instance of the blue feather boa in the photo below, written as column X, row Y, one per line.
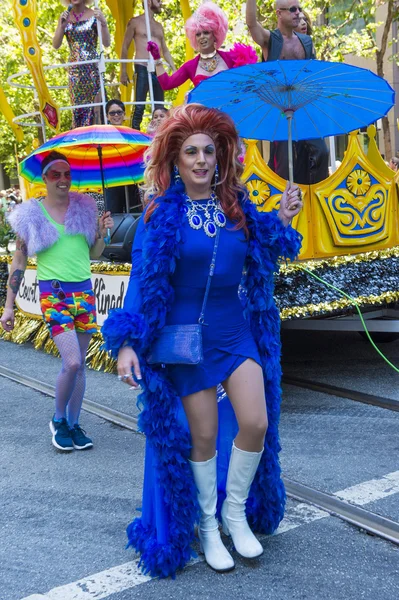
column 158, row 420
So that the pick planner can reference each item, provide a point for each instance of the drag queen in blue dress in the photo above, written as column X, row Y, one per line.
column 205, row 458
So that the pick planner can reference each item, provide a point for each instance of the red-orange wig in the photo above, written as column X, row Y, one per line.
column 163, row 153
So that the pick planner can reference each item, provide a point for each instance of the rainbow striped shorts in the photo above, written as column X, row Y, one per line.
column 67, row 306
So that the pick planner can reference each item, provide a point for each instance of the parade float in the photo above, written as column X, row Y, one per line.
column 349, row 225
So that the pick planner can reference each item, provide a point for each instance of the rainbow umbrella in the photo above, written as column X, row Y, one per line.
column 100, row 156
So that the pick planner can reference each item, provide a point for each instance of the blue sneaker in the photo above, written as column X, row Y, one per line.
column 79, row 438
column 62, row 439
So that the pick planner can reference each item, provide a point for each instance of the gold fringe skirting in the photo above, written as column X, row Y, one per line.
column 34, row 330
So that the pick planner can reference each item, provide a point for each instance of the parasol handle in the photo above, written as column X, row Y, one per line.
column 289, row 115
column 107, row 239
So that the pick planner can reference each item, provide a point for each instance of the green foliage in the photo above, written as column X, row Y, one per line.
column 6, row 233
column 23, row 101
column 173, row 23
column 349, row 27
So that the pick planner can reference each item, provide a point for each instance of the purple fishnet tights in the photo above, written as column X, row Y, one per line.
column 71, row 380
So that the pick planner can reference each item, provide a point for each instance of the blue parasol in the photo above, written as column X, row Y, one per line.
column 296, row 99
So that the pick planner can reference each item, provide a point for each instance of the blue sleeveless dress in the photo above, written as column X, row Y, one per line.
column 227, row 338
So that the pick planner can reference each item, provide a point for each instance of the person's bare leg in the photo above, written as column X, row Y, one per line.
column 98, row 110
column 202, row 415
column 245, row 389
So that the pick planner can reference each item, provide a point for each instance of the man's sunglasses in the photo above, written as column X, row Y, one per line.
column 115, row 113
column 56, row 285
column 292, row 9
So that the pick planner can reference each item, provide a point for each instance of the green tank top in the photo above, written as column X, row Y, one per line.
column 67, row 260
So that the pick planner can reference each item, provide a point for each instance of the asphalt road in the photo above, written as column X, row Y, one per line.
column 63, row 517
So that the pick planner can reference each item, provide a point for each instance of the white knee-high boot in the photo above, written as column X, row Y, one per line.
column 242, row 470
column 216, row 554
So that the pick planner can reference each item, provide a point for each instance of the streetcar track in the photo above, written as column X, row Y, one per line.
column 333, row 390
column 365, row 520
column 99, row 410
column 355, row 515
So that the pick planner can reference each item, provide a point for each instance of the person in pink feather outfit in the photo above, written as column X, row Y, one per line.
column 206, row 29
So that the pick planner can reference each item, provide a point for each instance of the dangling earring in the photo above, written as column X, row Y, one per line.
column 176, row 174
column 216, row 180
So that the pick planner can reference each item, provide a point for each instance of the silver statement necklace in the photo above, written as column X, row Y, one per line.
column 207, row 216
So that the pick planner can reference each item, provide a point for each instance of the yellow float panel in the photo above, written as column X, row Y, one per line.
column 265, row 190
column 122, row 11
column 354, row 210
column 9, row 115
column 25, row 12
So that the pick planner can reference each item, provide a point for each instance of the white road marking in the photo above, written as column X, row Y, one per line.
column 372, row 490
column 298, row 515
column 98, row 586
column 126, row 576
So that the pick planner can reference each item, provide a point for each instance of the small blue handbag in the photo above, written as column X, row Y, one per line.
column 177, row 345
column 182, row 344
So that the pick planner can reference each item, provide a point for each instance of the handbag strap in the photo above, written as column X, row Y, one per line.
column 201, row 319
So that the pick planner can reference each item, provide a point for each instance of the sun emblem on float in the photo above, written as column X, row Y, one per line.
column 259, row 191
column 358, row 182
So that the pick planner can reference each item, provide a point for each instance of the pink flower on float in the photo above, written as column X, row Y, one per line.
column 242, row 54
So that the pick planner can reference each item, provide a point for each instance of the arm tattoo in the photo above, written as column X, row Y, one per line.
column 15, row 280
column 21, row 246
column 98, row 233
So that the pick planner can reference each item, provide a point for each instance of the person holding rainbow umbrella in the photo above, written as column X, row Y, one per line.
column 63, row 230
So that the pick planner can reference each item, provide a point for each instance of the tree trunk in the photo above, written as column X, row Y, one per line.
column 380, row 53
column 387, row 138
column 385, row 121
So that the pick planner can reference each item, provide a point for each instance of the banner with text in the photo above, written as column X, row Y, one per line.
column 109, row 291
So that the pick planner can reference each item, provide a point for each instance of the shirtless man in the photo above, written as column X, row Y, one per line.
column 291, row 46
column 284, row 43
column 136, row 31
